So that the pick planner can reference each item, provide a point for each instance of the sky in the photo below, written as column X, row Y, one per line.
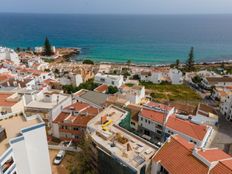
column 118, row 6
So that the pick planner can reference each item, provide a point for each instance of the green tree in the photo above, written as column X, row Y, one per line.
column 89, row 85
column 136, row 77
column 47, row 48
column 18, row 49
column 112, row 89
column 56, row 71
column 197, row 79
column 223, row 65
column 177, row 63
column 82, row 163
column 87, row 61
column 190, row 61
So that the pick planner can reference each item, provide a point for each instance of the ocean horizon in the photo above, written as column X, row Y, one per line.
column 143, row 39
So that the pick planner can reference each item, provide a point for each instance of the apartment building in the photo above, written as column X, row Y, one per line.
column 178, row 156
column 71, row 123
column 159, row 122
column 23, row 146
column 117, row 150
column 226, row 107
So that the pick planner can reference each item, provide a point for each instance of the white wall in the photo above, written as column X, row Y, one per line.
column 110, row 80
column 37, row 151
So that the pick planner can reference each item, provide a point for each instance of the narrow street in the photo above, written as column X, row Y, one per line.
column 223, row 138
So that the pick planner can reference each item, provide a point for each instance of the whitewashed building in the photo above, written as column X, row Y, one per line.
column 159, row 75
column 226, row 107
column 176, row 76
column 9, row 54
column 41, row 49
column 71, row 79
column 222, row 81
column 110, row 80
column 48, row 104
column 134, row 94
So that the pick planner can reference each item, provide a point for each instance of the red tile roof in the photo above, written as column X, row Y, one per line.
column 176, row 157
column 223, row 167
column 78, row 106
column 87, row 112
column 4, row 100
column 159, row 105
column 213, row 154
column 152, row 115
column 4, row 76
column 191, row 129
column 102, row 88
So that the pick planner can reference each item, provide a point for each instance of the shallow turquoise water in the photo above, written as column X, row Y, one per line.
column 140, row 38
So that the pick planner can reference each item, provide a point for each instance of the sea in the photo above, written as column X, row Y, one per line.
column 143, row 39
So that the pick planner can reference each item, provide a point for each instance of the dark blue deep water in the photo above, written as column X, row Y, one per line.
column 140, row 38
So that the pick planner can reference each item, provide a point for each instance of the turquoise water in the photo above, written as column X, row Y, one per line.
column 152, row 39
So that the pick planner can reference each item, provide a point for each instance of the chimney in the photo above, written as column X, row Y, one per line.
column 129, row 147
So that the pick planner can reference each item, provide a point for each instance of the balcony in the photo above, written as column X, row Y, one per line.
column 8, row 165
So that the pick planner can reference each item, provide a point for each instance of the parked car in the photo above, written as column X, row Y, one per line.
column 59, row 157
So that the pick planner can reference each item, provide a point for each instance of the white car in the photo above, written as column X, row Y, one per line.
column 59, row 157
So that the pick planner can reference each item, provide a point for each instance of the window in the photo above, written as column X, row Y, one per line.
column 102, row 80
column 170, row 132
column 112, row 82
column 159, row 132
column 146, row 132
column 76, row 128
column 132, row 123
column 193, row 141
column 159, row 126
column 7, row 164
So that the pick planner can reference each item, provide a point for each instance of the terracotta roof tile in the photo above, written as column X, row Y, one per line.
column 213, row 154
column 86, row 113
column 176, row 157
column 223, row 167
column 4, row 100
column 191, row 129
column 102, row 88
column 152, row 115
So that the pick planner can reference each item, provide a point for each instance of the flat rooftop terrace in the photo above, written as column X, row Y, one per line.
column 13, row 127
column 116, row 141
column 45, row 104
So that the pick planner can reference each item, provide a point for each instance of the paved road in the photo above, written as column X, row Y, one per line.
column 223, row 136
